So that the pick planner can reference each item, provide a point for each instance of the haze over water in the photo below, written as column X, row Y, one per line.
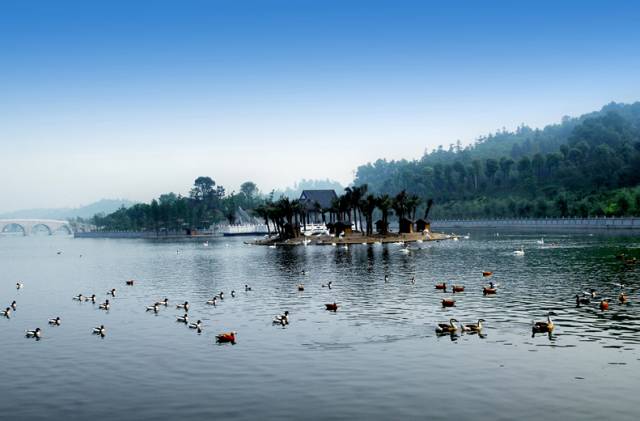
column 378, row 357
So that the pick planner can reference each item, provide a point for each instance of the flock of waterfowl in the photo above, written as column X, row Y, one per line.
column 450, row 328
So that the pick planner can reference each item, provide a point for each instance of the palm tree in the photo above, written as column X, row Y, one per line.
column 368, row 205
column 384, row 202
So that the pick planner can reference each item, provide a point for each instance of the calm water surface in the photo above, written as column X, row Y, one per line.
column 378, row 357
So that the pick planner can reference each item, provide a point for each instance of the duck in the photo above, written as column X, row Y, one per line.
column 183, row 319
column 33, row 333
column 92, row 298
column 273, row 246
column 542, row 327
column 447, row 328
column 184, row 306
column 164, row 302
column 99, row 330
column 19, row 285
column 604, row 305
column 540, row 241
column 519, row 252
column 153, row 308
column 345, row 246
column 491, row 289
column 473, row 327
column 457, row 288
column 79, row 297
column 331, row 306
column 233, row 293
column 206, row 244
column 196, row 325
column 448, row 303
column 386, row 278
column 327, row 285
column 300, row 287
column 14, row 305
column 229, row 337
column 622, row 298
column 247, row 288
column 55, row 322
column 487, row 273
column 442, row 286
column 592, row 293
column 282, row 319
column 413, row 280
column 581, row 300
column 221, row 295
column 112, row 292
column 130, row 282
column 303, row 272
column 105, row 305
column 212, row 302
column 7, row 312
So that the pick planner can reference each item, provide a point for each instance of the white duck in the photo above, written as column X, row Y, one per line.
column 519, row 252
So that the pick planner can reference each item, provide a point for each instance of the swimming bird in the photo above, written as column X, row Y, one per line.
column 448, row 303
column 622, row 298
column 19, row 285
column 221, row 295
column 542, row 327
column 183, row 319
column 413, row 280
column 405, row 250
column 386, row 278
column 100, row 330
column 345, row 246
column 105, row 305
column 130, row 282
column 196, row 325
column 491, row 289
column 303, row 273
column 487, row 273
column 604, row 305
column 519, row 252
column 592, row 293
column 272, row 246
column 457, row 288
column 442, row 286
column 581, row 300
column 184, row 306
column 332, row 306
column 282, row 319
column 473, row 327
column 7, row 312
column 55, row 322
column 447, row 328
column 164, row 302
column 247, row 288
column 212, row 301
column 153, row 308
column 112, row 292
column 540, row 241
column 14, row 305
column 33, row 333
column 233, row 293
column 206, row 244
column 92, row 298
column 229, row 337
column 79, row 297
column 300, row 287
column 328, row 285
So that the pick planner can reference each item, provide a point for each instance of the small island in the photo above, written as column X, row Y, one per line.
column 321, row 217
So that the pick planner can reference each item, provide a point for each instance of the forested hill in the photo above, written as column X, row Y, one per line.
column 582, row 166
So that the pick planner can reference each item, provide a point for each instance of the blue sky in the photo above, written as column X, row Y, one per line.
column 133, row 99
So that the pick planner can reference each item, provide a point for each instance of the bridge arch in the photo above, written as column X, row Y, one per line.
column 35, row 227
column 5, row 227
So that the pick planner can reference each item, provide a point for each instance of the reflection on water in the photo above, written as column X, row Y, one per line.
column 378, row 356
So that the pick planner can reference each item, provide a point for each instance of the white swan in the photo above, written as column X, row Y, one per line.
column 540, row 241
column 519, row 252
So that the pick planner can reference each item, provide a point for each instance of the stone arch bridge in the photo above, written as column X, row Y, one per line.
column 29, row 225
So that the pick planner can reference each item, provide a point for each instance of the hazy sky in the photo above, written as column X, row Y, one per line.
column 130, row 99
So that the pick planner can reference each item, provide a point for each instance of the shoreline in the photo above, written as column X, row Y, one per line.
column 355, row 238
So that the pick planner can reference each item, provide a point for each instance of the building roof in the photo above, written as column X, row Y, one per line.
column 323, row 197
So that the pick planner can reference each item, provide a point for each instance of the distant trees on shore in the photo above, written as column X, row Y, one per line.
column 582, row 167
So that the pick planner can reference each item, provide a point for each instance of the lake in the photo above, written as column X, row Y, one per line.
column 377, row 357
